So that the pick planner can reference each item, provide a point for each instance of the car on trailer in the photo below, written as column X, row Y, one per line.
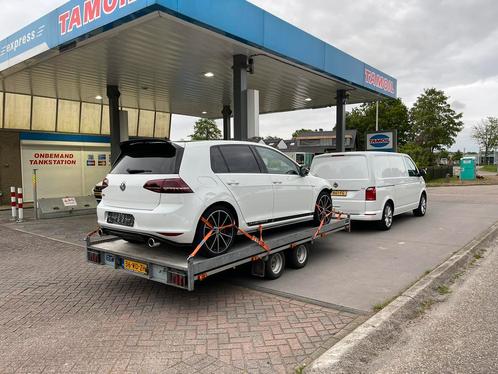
column 160, row 191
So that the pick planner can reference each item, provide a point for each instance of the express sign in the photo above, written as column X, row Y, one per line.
column 381, row 141
column 88, row 13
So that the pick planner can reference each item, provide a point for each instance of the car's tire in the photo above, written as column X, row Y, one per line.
column 386, row 222
column 422, row 206
column 275, row 266
column 324, row 201
column 297, row 258
column 220, row 242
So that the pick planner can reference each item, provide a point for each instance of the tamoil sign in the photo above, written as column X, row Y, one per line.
column 382, row 141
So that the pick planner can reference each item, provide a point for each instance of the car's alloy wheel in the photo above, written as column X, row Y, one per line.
column 387, row 217
column 422, row 207
column 222, row 223
column 323, row 208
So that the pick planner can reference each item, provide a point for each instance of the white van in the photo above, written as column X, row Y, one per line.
column 373, row 186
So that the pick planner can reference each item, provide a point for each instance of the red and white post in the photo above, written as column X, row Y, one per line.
column 20, row 206
column 13, row 203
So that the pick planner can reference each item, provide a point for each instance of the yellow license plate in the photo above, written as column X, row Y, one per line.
column 136, row 267
column 340, row 193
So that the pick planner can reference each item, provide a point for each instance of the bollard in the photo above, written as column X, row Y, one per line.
column 20, row 206
column 13, row 203
column 35, row 193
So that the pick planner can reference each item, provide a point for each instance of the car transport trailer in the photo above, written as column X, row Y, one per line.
column 173, row 266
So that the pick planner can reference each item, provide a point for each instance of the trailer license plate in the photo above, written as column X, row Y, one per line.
column 340, row 193
column 136, row 267
column 120, row 219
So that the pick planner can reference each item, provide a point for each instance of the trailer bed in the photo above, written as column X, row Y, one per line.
column 173, row 266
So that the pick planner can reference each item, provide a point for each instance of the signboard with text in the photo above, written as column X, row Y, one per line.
column 385, row 141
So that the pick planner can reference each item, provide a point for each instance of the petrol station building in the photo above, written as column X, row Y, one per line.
column 92, row 73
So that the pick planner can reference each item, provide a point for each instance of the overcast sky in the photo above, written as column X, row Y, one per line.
column 447, row 44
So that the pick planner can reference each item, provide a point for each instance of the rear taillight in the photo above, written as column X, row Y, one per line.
column 371, row 194
column 174, row 185
column 105, row 183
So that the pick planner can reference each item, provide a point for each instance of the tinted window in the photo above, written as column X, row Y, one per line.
column 389, row 167
column 240, row 159
column 412, row 169
column 277, row 163
column 149, row 158
column 218, row 164
column 341, row 167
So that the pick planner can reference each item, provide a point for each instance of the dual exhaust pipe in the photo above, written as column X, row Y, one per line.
column 151, row 242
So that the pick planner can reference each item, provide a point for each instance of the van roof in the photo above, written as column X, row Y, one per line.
column 372, row 153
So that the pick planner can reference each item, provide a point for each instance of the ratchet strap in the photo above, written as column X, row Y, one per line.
column 259, row 241
column 338, row 216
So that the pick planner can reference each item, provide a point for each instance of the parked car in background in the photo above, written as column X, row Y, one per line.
column 373, row 186
column 178, row 192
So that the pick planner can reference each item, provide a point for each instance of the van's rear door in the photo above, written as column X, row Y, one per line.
column 349, row 176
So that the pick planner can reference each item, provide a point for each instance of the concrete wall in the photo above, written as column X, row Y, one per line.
column 10, row 164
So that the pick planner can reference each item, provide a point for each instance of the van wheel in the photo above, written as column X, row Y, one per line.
column 275, row 266
column 222, row 221
column 422, row 207
column 298, row 257
column 387, row 218
column 323, row 208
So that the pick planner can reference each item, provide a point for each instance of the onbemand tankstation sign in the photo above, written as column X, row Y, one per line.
column 382, row 141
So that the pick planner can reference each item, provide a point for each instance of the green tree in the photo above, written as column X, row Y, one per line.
column 299, row 132
column 419, row 154
column 206, row 129
column 485, row 133
column 457, row 156
column 393, row 115
column 434, row 124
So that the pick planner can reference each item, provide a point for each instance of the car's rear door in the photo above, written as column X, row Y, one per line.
column 349, row 177
column 139, row 163
column 293, row 194
column 251, row 188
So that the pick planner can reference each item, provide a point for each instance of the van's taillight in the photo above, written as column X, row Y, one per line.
column 105, row 183
column 174, row 185
column 371, row 194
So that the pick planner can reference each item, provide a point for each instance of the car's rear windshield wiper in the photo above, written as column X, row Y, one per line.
column 138, row 171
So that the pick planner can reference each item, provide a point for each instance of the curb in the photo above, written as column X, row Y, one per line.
column 381, row 330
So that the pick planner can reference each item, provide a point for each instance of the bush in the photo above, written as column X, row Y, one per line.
column 438, row 172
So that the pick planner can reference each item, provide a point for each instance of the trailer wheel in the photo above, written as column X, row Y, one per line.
column 275, row 266
column 298, row 257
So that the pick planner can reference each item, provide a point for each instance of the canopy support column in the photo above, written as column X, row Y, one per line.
column 240, row 65
column 227, row 113
column 340, row 128
column 113, row 95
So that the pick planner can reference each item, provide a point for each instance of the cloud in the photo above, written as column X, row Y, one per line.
column 447, row 44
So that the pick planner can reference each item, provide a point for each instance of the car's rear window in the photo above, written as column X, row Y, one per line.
column 340, row 167
column 149, row 158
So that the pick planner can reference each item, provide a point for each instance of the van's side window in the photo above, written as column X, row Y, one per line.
column 412, row 169
column 390, row 167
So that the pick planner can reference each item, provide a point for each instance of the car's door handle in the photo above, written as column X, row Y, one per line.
column 277, row 182
column 233, row 183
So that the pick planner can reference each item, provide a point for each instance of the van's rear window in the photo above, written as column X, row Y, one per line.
column 341, row 167
column 149, row 158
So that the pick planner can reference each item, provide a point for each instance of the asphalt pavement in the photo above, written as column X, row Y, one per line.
column 366, row 267
column 456, row 336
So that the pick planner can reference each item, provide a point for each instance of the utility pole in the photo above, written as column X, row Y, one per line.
column 377, row 116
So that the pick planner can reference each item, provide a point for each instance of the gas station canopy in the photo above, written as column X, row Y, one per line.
column 177, row 56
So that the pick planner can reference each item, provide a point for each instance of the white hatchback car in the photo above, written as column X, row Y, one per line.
column 176, row 192
column 373, row 186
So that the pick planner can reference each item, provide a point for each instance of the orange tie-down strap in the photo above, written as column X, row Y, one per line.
column 259, row 241
column 322, row 222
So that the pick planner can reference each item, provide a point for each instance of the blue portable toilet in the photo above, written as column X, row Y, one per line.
column 468, row 169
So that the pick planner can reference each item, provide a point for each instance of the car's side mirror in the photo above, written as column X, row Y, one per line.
column 304, row 171
column 422, row 173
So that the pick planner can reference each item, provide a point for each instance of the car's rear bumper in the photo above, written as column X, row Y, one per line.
column 367, row 216
column 176, row 223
